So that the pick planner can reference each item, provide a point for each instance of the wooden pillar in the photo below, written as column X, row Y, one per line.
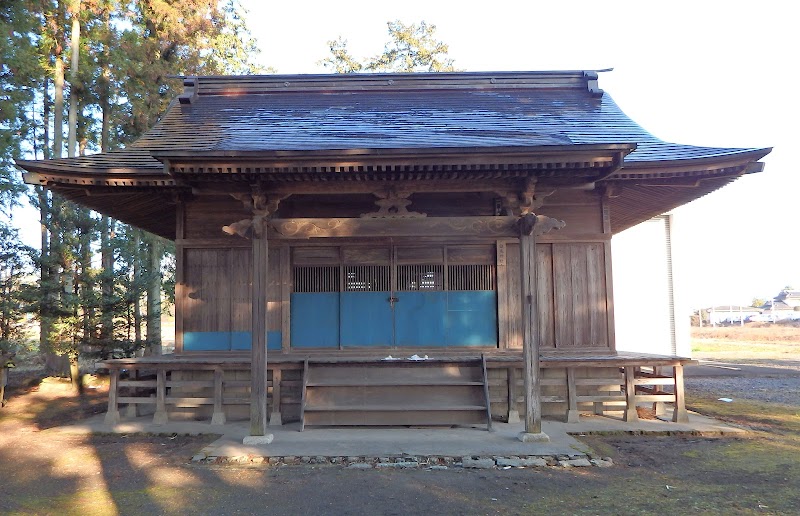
column 531, row 225
column 573, row 416
column 218, row 416
column 258, row 360
column 112, row 415
column 513, row 413
column 679, row 415
column 630, row 396
column 658, row 406
column 275, row 418
column 132, row 410
column 530, row 334
column 255, row 228
column 160, row 417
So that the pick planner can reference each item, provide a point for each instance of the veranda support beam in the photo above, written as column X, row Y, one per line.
column 530, row 226
column 258, row 367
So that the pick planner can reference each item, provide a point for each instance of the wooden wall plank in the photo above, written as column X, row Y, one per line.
column 514, row 296
column 544, row 262
column 562, row 298
column 241, row 311
column 596, row 281
column 286, row 293
column 502, row 295
column 274, row 322
column 580, row 300
column 217, row 281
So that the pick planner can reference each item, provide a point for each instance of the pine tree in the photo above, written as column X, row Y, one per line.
column 411, row 48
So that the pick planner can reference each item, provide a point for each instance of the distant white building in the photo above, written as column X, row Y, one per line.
column 784, row 306
column 729, row 314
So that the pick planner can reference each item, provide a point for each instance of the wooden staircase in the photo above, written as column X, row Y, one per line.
column 396, row 393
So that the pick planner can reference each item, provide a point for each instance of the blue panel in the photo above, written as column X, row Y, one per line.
column 472, row 318
column 206, row 341
column 240, row 340
column 366, row 319
column 420, row 318
column 274, row 340
column 315, row 320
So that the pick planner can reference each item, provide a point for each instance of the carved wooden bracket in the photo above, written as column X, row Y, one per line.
column 612, row 190
column 531, row 224
column 393, row 204
column 263, row 206
column 526, row 200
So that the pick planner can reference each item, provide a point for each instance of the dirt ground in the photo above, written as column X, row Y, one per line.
column 46, row 472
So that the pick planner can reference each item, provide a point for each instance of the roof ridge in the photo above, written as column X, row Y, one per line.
column 271, row 84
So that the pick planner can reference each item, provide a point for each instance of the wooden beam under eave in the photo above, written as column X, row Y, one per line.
column 302, row 228
column 336, row 187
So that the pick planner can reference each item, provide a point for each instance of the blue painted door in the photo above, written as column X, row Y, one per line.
column 366, row 319
column 315, row 319
column 420, row 318
column 367, row 313
column 471, row 318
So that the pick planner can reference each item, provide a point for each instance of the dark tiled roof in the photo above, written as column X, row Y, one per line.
column 454, row 111
column 383, row 119
column 469, row 113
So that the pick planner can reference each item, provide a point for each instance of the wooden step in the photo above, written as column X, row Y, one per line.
column 395, row 393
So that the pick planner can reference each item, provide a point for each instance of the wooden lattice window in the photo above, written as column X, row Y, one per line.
column 420, row 277
column 470, row 277
column 316, row 278
column 366, row 278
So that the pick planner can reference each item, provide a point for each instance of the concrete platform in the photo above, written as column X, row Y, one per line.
column 399, row 442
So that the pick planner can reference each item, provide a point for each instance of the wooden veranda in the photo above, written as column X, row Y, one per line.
column 629, row 379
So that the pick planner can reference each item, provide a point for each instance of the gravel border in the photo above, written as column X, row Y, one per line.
column 416, row 462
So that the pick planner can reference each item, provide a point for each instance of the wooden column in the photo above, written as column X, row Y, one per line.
column 218, row 416
column 262, row 207
column 630, row 396
column 513, row 413
column 679, row 415
column 531, row 225
column 573, row 416
column 658, row 406
column 132, row 410
column 112, row 415
column 275, row 418
column 258, row 364
column 530, row 334
column 160, row 417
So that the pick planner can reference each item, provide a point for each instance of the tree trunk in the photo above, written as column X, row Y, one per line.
column 137, row 305
column 107, row 282
column 58, row 99
column 155, row 250
column 74, row 44
column 54, row 363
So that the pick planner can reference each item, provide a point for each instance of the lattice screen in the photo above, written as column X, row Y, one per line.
column 316, row 278
column 366, row 278
column 470, row 277
column 420, row 277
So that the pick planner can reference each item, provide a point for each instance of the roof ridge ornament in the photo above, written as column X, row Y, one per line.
column 591, row 82
column 190, row 87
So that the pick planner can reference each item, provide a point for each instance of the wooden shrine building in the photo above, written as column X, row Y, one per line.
column 459, row 223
